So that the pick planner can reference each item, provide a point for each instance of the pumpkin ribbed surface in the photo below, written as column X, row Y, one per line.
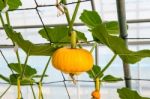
column 72, row 61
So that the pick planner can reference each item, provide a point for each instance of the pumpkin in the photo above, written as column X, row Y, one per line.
column 96, row 94
column 72, row 60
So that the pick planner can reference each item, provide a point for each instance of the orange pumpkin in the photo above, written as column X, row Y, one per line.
column 72, row 61
column 96, row 94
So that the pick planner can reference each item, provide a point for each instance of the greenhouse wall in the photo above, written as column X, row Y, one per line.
column 33, row 15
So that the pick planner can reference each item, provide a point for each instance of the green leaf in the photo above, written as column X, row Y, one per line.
column 81, row 36
column 44, row 49
column 118, row 46
column 112, row 27
column 29, row 71
column 13, row 4
column 25, row 81
column 126, row 93
column 16, row 67
column 56, row 35
column 110, row 78
column 60, row 35
column 1, row 4
column 95, row 70
column 4, row 78
column 90, row 18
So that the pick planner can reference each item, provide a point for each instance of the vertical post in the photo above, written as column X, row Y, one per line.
column 123, row 34
column 93, row 5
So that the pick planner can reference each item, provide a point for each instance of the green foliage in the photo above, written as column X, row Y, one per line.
column 58, row 35
column 29, row 71
column 116, row 44
column 81, row 36
column 95, row 70
column 126, row 93
column 112, row 27
column 24, row 81
column 13, row 4
column 27, row 46
column 28, row 77
column 110, row 78
column 90, row 19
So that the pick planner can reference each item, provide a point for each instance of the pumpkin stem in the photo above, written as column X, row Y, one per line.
column 73, row 39
column 97, row 84
column 73, row 79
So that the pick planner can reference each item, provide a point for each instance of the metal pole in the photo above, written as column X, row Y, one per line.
column 93, row 5
column 123, row 34
column 75, row 24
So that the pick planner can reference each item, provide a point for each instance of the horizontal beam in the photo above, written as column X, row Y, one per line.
column 83, row 44
column 40, row 26
column 138, row 21
column 65, row 24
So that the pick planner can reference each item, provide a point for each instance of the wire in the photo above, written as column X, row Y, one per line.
column 50, row 5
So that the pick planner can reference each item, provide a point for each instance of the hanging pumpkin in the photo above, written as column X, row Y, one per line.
column 72, row 60
column 95, row 94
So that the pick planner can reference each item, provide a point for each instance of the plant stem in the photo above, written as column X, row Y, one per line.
column 74, row 16
column 2, row 20
column 97, row 84
column 105, row 68
column 25, row 64
column 18, row 58
column 8, row 22
column 7, row 18
column 73, row 39
column 66, row 12
column 7, row 15
column 71, row 21
column 18, row 85
column 45, row 69
column 32, row 91
column 93, row 47
column 40, row 90
column 5, row 92
column 94, row 75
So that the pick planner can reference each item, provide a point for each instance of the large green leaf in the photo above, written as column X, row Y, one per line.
column 116, row 44
column 60, row 35
column 29, row 71
column 126, row 93
column 112, row 27
column 13, row 4
column 44, row 49
column 90, row 18
column 94, row 72
column 110, row 78
column 56, row 34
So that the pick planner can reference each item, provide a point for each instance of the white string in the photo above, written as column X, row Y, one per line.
column 16, row 47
